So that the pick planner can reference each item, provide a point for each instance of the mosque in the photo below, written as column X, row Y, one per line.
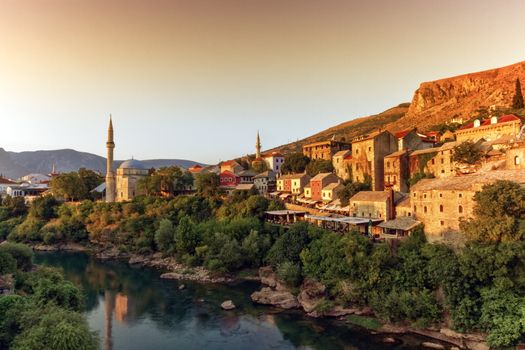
column 122, row 186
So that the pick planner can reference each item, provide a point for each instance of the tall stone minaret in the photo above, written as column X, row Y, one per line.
column 110, row 175
column 258, row 147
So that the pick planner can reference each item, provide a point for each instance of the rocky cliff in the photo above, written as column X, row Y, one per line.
column 439, row 101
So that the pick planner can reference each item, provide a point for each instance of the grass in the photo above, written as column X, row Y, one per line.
column 365, row 322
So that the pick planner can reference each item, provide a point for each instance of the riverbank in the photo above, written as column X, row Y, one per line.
column 309, row 299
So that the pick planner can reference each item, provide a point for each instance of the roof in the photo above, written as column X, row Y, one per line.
column 329, row 142
column 273, row 154
column 425, row 151
column 448, row 145
column 375, row 196
column 292, row 176
column 342, row 153
column 470, row 182
column 404, row 203
column 349, row 219
column 100, row 188
column 396, row 154
column 321, row 176
column 267, row 173
column 132, row 164
column 348, row 157
column 197, row 168
column 370, row 136
column 284, row 212
column 404, row 223
column 485, row 122
column 5, row 181
column 244, row 187
column 226, row 172
column 402, row 134
column 247, row 173
column 332, row 186
column 229, row 163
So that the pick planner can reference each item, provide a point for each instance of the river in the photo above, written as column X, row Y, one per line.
column 133, row 308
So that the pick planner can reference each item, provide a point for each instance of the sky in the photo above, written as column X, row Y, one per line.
column 196, row 79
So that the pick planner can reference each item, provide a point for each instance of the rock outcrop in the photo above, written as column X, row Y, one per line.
column 278, row 298
column 312, row 292
column 459, row 97
column 228, row 305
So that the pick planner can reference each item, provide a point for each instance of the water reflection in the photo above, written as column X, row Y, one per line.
column 132, row 308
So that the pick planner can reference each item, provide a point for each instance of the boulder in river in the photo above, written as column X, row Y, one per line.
column 430, row 345
column 228, row 305
column 278, row 298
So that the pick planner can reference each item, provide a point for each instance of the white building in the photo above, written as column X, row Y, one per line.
column 274, row 161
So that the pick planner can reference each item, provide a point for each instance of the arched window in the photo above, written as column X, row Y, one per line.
column 517, row 160
column 460, row 209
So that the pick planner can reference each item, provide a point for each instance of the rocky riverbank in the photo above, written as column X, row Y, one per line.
column 311, row 298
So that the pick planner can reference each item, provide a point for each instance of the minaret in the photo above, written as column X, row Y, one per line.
column 110, row 175
column 258, row 147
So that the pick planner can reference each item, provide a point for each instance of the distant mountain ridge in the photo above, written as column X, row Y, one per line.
column 16, row 164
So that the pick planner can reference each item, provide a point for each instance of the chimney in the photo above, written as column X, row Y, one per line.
column 391, row 209
column 494, row 120
column 477, row 123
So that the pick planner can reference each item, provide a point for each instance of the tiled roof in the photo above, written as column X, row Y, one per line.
column 247, row 173
column 292, row 176
column 401, row 134
column 503, row 119
column 229, row 163
column 267, row 173
column 370, row 196
column 332, row 186
column 469, row 182
column 226, row 172
column 400, row 223
column 342, row 153
column 425, row 151
column 348, row 157
column 5, row 181
column 321, row 176
column 273, row 154
column 396, row 154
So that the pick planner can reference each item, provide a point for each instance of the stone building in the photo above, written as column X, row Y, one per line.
column 331, row 192
column 374, row 204
column 325, row 150
column 231, row 166
column 441, row 203
column 368, row 153
column 298, row 183
column 295, row 182
column 396, row 170
column 515, row 156
column 341, row 165
column 229, row 179
column 412, row 140
column 129, row 173
column 489, row 129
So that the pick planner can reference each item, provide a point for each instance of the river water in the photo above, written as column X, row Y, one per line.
column 133, row 308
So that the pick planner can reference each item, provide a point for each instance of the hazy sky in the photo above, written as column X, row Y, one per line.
column 196, row 79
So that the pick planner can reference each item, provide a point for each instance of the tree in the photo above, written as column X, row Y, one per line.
column 499, row 209
column 517, row 100
column 90, row 179
column 164, row 236
column 21, row 253
column 466, row 152
column 208, row 184
column 295, row 163
column 69, row 186
column 350, row 189
column 319, row 166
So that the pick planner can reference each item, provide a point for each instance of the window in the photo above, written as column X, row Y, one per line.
column 441, row 195
column 369, row 149
column 460, row 195
column 425, row 195
column 517, row 160
column 441, row 208
column 442, row 223
column 442, row 161
column 414, row 208
column 388, row 164
column 356, row 151
column 460, row 209
column 414, row 194
column 425, row 209
column 433, row 161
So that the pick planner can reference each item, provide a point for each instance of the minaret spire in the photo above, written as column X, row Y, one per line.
column 258, row 146
column 110, row 175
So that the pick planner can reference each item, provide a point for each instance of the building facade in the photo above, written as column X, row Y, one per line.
column 320, row 181
column 229, row 179
column 489, row 129
column 265, row 182
column 342, row 167
column 274, row 162
column 325, row 150
column 396, row 171
column 368, row 153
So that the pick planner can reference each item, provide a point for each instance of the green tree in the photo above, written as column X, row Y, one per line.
column 90, row 179
column 164, row 236
column 7, row 263
column 466, row 152
column 208, row 184
column 517, row 99
column 21, row 253
column 350, row 189
column 295, row 163
column 69, row 186
column 498, row 213
column 43, row 208
column 318, row 166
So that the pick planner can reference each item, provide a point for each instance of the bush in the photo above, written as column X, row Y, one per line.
column 21, row 253
column 289, row 273
column 7, row 263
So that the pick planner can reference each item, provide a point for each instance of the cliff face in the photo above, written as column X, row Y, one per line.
column 439, row 101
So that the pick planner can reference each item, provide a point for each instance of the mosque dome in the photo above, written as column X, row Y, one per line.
column 132, row 164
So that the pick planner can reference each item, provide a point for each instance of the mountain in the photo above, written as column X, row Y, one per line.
column 17, row 164
column 439, row 101
column 434, row 103
column 348, row 130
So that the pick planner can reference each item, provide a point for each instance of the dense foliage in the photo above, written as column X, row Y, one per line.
column 75, row 185
column 295, row 163
column 466, row 152
column 43, row 312
column 318, row 166
column 480, row 287
column 517, row 99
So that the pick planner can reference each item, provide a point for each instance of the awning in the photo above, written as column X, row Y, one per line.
column 284, row 195
column 403, row 223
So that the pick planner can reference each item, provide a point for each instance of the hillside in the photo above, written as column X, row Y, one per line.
column 348, row 130
column 17, row 164
column 439, row 101
column 434, row 103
